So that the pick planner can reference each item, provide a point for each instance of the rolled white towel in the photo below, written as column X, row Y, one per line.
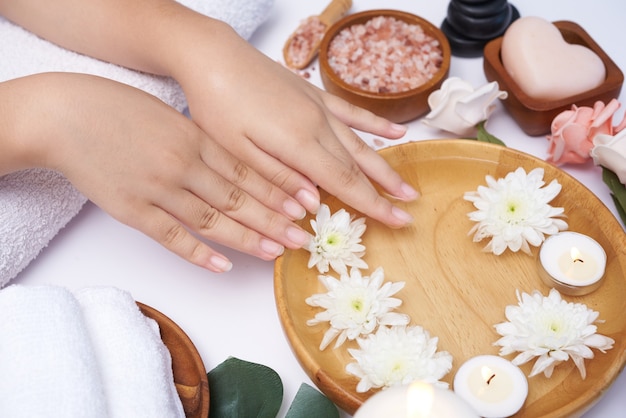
column 135, row 365
column 48, row 367
column 33, row 213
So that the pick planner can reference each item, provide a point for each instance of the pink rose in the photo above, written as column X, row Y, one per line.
column 573, row 131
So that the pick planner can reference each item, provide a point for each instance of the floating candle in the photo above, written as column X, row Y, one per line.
column 544, row 65
column 492, row 385
column 572, row 263
column 417, row 400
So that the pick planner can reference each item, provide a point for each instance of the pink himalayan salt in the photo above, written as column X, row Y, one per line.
column 385, row 55
column 306, row 37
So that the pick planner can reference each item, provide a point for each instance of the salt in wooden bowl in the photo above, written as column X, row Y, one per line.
column 398, row 107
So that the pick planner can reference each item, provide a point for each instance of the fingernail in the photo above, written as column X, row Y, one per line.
column 294, row 209
column 308, row 200
column 271, row 248
column 401, row 215
column 398, row 128
column 409, row 192
column 220, row 263
column 298, row 236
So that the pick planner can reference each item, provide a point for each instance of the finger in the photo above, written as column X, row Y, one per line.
column 363, row 119
column 242, row 175
column 279, row 174
column 220, row 211
column 374, row 166
column 169, row 232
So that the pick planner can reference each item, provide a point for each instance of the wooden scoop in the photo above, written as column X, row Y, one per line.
column 302, row 46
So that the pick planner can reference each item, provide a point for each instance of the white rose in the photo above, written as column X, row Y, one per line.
column 610, row 152
column 458, row 108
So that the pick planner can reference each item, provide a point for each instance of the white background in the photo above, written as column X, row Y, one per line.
column 234, row 314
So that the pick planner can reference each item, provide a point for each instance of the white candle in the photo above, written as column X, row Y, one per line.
column 492, row 385
column 417, row 400
column 572, row 263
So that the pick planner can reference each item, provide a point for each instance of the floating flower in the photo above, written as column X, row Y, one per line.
column 336, row 241
column 573, row 131
column 398, row 355
column 515, row 212
column 356, row 305
column 553, row 330
column 456, row 107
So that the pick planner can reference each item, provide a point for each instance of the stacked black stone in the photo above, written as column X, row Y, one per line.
column 470, row 24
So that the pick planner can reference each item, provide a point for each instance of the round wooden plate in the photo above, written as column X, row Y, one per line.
column 190, row 376
column 455, row 290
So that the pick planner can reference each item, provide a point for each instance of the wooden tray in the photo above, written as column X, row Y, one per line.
column 453, row 289
column 190, row 376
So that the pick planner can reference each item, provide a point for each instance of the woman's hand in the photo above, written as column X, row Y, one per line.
column 150, row 167
column 289, row 131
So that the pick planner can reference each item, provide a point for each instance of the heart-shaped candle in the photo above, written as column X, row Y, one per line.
column 544, row 65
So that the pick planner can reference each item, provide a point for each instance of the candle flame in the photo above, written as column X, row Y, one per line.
column 420, row 398
column 575, row 254
column 487, row 374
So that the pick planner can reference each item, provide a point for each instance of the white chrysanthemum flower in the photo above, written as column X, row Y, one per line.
column 356, row 305
column 553, row 330
column 337, row 241
column 396, row 356
column 515, row 212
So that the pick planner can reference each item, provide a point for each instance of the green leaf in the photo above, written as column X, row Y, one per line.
column 309, row 402
column 242, row 389
column 618, row 191
column 485, row 136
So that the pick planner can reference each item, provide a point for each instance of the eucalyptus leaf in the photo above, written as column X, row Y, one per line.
column 618, row 191
column 485, row 136
column 242, row 389
column 309, row 402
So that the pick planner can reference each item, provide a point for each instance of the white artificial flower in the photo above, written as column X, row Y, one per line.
column 551, row 329
column 337, row 241
column 396, row 356
column 514, row 211
column 356, row 305
column 610, row 152
column 456, row 107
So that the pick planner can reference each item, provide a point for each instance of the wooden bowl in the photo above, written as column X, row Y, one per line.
column 397, row 107
column 190, row 376
column 454, row 289
column 535, row 116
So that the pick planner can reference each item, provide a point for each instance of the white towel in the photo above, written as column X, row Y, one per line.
column 135, row 365
column 47, row 365
column 24, row 233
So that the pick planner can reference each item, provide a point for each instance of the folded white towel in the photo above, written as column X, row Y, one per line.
column 135, row 365
column 24, row 233
column 48, row 367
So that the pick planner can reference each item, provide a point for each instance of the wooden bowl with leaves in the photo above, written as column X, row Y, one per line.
column 401, row 106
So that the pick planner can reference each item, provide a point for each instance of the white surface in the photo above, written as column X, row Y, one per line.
column 234, row 314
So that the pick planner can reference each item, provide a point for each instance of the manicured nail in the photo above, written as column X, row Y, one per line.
column 308, row 200
column 293, row 209
column 298, row 236
column 409, row 192
column 401, row 215
column 220, row 263
column 401, row 129
column 271, row 248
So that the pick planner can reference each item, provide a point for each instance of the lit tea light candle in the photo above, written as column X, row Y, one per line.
column 572, row 263
column 417, row 400
column 492, row 385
